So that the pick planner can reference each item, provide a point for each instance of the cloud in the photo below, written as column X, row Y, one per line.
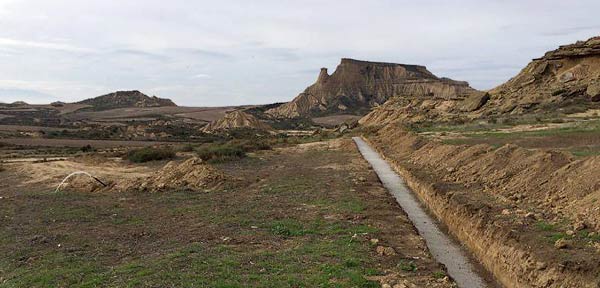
column 42, row 45
column 268, row 51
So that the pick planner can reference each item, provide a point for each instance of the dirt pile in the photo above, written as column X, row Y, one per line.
column 496, row 200
column 191, row 174
column 235, row 119
column 569, row 75
column 125, row 99
column 357, row 86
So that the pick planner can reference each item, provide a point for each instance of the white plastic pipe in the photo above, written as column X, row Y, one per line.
column 77, row 173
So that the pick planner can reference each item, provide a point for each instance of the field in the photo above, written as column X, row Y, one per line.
column 581, row 138
column 311, row 215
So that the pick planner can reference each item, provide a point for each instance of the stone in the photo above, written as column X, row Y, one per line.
column 385, row 251
column 374, row 241
column 570, row 232
column 563, row 243
column 540, row 265
column 593, row 91
column 475, row 101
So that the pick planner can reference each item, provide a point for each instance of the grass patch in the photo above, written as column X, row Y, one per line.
column 408, row 266
column 545, row 226
column 147, row 154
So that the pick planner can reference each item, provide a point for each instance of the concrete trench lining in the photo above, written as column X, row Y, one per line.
column 443, row 248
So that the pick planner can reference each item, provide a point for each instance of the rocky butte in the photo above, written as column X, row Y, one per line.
column 357, row 86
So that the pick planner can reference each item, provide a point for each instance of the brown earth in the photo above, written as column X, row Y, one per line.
column 502, row 202
column 311, row 215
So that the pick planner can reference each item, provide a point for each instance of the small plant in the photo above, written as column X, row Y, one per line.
column 407, row 266
column 545, row 226
column 439, row 274
column 87, row 148
column 149, row 154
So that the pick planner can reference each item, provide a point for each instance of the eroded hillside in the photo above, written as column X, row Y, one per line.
column 357, row 86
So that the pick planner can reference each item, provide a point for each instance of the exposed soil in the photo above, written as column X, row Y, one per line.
column 501, row 202
column 312, row 215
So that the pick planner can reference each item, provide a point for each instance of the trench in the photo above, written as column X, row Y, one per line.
column 460, row 266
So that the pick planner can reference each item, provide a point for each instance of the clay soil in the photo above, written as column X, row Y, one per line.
column 312, row 215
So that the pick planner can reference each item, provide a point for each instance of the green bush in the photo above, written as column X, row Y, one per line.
column 220, row 153
column 234, row 149
column 150, row 154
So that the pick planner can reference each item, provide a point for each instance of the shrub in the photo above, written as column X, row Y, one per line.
column 150, row 154
column 220, row 153
column 234, row 149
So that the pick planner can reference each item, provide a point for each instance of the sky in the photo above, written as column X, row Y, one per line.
column 216, row 53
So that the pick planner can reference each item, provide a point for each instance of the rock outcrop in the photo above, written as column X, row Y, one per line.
column 125, row 99
column 235, row 119
column 565, row 76
column 564, row 80
column 357, row 86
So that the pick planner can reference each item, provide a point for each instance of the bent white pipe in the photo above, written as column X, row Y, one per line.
column 76, row 173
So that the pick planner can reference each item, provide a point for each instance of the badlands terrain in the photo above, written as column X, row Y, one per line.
column 279, row 196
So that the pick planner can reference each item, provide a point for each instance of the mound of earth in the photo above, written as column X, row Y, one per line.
column 562, row 77
column 357, row 86
column 125, row 99
column 191, row 174
column 235, row 119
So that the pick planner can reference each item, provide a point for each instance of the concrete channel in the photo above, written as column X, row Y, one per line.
column 444, row 249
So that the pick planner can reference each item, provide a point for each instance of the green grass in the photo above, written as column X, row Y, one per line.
column 439, row 274
column 545, row 226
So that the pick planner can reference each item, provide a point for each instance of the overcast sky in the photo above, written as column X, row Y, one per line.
column 210, row 53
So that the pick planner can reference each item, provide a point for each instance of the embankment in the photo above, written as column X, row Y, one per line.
column 524, row 214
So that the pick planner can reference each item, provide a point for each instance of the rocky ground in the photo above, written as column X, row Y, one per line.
column 312, row 215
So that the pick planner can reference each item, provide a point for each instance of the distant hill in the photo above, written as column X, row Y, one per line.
column 236, row 119
column 357, row 86
column 125, row 99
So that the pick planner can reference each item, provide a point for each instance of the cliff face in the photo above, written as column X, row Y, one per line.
column 357, row 86
column 125, row 99
column 235, row 119
column 565, row 76
column 565, row 80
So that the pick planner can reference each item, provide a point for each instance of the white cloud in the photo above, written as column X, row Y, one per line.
column 42, row 45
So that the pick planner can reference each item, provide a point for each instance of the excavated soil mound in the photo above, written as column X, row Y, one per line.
column 509, row 205
column 191, row 174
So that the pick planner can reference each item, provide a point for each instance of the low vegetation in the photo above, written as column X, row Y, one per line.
column 231, row 150
column 147, row 154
